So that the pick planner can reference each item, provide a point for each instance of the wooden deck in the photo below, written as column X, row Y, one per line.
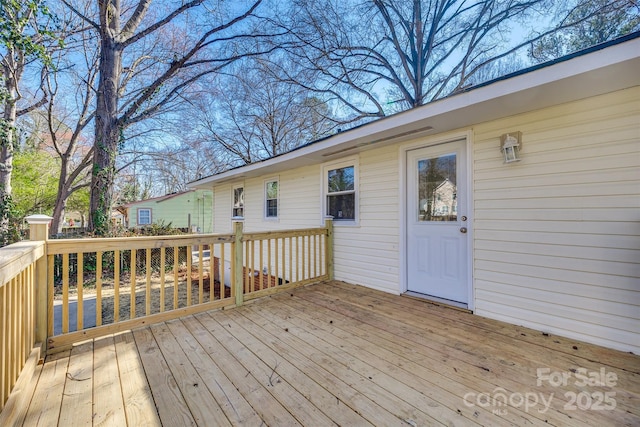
column 335, row 354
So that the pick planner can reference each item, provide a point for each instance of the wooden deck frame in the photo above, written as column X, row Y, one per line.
column 30, row 273
column 326, row 354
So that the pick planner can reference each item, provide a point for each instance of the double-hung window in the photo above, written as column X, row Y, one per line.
column 271, row 189
column 340, row 191
column 238, row 202
column 144, row 216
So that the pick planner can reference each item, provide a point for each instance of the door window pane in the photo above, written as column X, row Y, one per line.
column 238, row 202
column 437, row 191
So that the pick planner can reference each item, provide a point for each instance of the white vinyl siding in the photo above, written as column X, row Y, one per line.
column 556, row 235
column 366, row 253
column 298, row 203
column 369, row 254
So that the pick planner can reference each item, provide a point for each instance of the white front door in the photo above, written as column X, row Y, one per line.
column 437, row 246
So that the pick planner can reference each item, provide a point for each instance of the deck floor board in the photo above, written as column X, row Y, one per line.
column 332, row 354
column 77, row 404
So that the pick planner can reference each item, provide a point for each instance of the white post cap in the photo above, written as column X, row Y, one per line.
column 38, row 219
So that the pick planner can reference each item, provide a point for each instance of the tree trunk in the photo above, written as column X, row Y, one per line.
column 61, row 198
column 107, row 137
column 58, row 216
column 7, row 133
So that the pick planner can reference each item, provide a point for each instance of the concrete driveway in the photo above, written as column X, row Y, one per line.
column 88, row 311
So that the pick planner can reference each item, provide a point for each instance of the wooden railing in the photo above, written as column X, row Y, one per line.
column 17, row 312
column 101, row 286
column 59, row 292
column 277, row 260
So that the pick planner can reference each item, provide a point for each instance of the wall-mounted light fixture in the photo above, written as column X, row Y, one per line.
column 511, row 144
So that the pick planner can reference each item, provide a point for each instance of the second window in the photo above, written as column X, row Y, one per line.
column 341, row 192
column 271, row 189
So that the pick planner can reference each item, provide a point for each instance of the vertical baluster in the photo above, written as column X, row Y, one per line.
column 175, row 277
column 189, row 260
column 260, row 265
column 65, row 293
column 98, row 288
column 132, row 296
column 9, row 335
column 4, row 347
column 50, row 292
column 200, row 284
column 277, row 269
column 247, row 269
column 28, row 309
column 116, row 286
column 269, row 275
column 312, row 264
column 22, row 318
column 306, row 267
column 80, row 289
column 147, row 301
column 290, row 259
column 12, row 322
column 315, row 255
column 163, row 261
column 221, row 271
column 233, row 270
column 297, row 260
column 250, row 264
column 17, row 316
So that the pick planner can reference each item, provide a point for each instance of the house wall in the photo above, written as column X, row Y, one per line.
column 176, row 210
column 556, row 240
column 364, row 253
column 555, row 236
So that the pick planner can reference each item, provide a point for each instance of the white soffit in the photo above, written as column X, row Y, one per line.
column 606, row 70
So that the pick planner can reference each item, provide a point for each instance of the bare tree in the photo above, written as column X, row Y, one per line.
column 166, row 167
column 23, row 36
column 588, row 23
column 258, row 116
column 375, row 57
column 70, row 109
column 146, row 63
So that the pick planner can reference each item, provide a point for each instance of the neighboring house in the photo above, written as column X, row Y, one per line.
column 551, row 242
column 188, row 210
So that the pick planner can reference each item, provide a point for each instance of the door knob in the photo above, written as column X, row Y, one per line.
column 463, row 230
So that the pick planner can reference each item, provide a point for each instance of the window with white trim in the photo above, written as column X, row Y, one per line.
column 340, row 187
column 271, row 193
column 238, row 202
column 144, row 216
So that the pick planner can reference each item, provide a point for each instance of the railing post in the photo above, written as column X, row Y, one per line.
column 238, row 276
column 39, row 231
column 328, row 223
